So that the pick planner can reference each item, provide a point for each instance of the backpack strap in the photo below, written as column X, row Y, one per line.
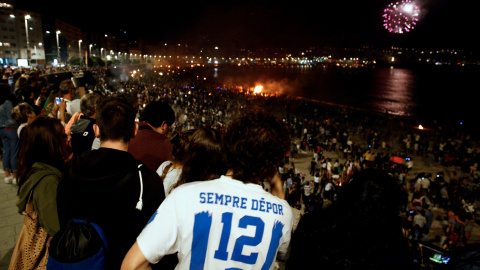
column 29, row 206
column 41, row 174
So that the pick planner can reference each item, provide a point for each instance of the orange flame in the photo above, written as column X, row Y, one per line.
column 258, row 89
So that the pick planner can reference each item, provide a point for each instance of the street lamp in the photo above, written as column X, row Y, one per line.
column 35, row 47
column 90, row 48
column 58, row 46
column 80, row 51
column 26, row 32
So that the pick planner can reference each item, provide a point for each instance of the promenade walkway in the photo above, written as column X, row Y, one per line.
column 11, row 221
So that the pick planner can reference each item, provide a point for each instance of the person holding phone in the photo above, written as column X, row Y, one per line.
column 59, row 110
column 64, row 101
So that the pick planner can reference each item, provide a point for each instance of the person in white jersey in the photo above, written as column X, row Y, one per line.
column 229, row 222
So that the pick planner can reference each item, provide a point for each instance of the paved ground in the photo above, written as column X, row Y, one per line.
column 11, row 221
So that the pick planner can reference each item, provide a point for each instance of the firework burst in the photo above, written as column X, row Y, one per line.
column 401, row 17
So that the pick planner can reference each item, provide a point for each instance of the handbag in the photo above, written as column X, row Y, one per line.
column 31, row 249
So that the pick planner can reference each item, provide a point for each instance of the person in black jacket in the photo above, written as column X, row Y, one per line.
column 109, row 186
column 81, row 131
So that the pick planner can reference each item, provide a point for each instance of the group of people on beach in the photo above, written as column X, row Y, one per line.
column 176, row 162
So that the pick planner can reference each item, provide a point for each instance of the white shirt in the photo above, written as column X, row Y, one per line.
column 419, row 220
column 328, row 186
column 171, row 178
column 219, row 224
column 308, row 190
column 425, row 183
column 74, row 106
column 19, row 129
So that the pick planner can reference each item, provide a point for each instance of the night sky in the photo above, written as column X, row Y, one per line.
column 250, row 24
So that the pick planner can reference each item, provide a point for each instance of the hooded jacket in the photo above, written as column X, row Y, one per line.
column 43, row 179
column 103, row 186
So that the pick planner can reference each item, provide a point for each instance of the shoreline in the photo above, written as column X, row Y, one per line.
column 413, row 122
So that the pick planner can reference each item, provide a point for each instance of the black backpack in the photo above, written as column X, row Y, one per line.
column 79, row 245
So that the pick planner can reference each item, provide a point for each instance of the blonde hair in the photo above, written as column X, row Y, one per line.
column 19, row 112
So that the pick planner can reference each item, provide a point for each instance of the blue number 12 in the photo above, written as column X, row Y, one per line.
column 201, row 231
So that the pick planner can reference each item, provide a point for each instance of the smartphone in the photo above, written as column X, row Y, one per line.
column 58, row 100
column 440, row 258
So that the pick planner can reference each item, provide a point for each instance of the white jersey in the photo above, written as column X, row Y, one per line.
column 171, row 178
column 219, row 224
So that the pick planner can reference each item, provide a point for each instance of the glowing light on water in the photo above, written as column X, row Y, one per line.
column 394, row 92
column 400, row 17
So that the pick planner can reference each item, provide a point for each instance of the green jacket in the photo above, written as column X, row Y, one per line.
column 43, row 179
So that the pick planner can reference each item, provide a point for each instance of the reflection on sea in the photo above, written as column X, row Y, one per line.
column 427, row 93
column 393, row 91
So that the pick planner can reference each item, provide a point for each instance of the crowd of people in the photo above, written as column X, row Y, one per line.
column 187, row 158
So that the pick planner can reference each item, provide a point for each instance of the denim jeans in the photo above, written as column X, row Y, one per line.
column 11, row 145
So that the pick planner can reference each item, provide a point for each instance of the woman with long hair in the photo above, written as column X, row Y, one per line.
column 8, row 133
column 42, row 156
column 170, row 170
column 203, row 157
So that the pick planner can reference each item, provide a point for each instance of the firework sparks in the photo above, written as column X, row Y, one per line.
column 401, row 17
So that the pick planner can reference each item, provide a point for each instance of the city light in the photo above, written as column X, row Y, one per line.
column 58, row 46
column 27, row 17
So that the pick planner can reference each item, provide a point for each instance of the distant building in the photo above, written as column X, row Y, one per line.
column 73, row 41
column 21, row 37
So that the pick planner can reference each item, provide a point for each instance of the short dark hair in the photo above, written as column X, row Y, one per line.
column 6, row 94
column 116, row 119
column 156, row 113
column 65, row 86
column 255, row 144
column 31, row 79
